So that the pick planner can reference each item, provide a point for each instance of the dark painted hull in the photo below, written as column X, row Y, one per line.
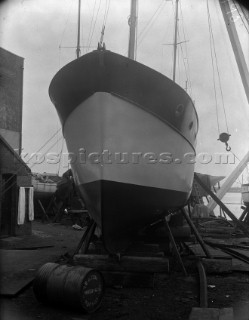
column 123, row 209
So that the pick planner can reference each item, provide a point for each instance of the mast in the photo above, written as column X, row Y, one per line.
column 78, row 35
column 237, row 50
column 132, row 23
column 175, row 41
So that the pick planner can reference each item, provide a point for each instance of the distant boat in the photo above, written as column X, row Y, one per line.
column 132, row 129
column 245, row 193
column 44, row 185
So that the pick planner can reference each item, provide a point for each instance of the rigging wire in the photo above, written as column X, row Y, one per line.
column 186, row 51
column 63, row 32
column 151, row 21
column 107, row 7
column 178, row 66
column 186, row 71
column 30, row 166
column 46, row 152
column 214, row 57
column 215, row 93
column 48, row 141
column 136, row 30
column 38, row 150
column 90, row 29
column 90, row 41
column 183, row 60
column 165, row 37
column 217, row 68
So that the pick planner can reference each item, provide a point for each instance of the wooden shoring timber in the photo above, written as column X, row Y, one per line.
column 223, row 207
column 176, row 252
column 196, row 233
column 126, row 263
column 244, row 213
column 217, row 266
column 43, row 211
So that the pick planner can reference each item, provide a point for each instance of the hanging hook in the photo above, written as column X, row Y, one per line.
column 224, row 137
column 228, row 148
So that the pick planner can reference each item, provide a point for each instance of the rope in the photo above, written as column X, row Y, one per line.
column 212, row 58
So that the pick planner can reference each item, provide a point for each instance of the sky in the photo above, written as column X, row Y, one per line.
column 40, row 30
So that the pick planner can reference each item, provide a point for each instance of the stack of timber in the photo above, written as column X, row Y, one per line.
column 228, row 255
column 136, row 269
column 238, row 249
column 217, row 228
column 220, row 262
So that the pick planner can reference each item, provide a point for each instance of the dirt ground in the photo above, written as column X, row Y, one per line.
column 172, row 297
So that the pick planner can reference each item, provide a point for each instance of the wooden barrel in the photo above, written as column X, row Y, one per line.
column 77, row 287
column 40, row 281
column 245, row 193
column 84, row 287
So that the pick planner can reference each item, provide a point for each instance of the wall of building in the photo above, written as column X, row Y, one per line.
column 11, row 95
column 14, row 174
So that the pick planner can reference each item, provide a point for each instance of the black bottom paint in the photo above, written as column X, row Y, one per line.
column 122, row 209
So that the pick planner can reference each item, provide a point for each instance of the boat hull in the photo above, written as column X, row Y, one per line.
column 122, row 209
column 131, row 134
column 124, row 162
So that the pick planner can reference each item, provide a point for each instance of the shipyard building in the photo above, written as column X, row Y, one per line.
column 16, row 192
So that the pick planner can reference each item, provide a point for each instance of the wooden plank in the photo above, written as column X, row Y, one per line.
column 197, row 250
column 211, row 314
column 238, row 265
column 10, row 287
column 216, row 266
column 126, row 263
column 18, row 268
column 226, row 230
